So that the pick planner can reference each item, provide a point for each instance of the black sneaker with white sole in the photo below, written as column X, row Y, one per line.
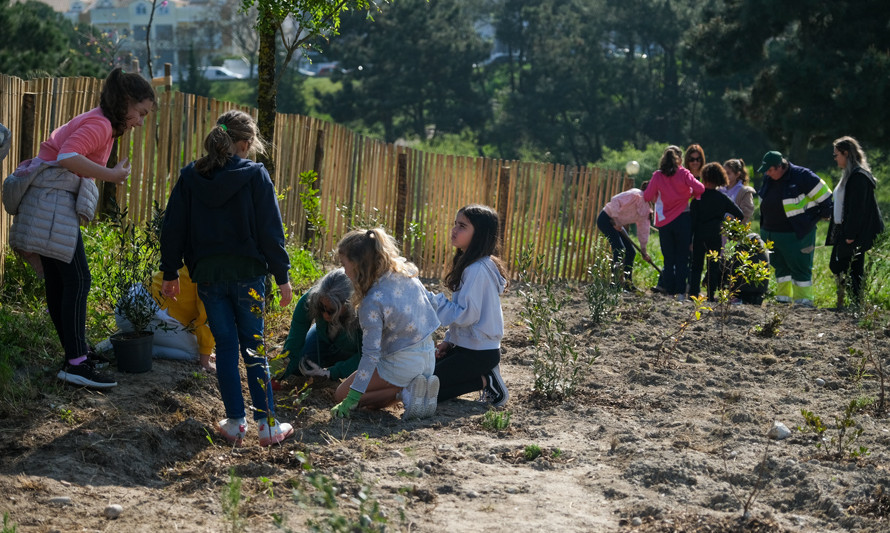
column 496, row 393
column 85, row 375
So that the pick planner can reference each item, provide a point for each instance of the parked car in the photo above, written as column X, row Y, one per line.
column 213, row 73
column 219, row 73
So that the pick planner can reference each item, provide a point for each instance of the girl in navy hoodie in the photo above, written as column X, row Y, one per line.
column 468, row 359
column 223, row 220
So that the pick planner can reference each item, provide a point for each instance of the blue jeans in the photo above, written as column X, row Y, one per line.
column 622, row 247
column 675, row 238
column 235, row 318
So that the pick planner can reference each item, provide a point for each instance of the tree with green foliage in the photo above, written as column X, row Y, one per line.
column 411, row 71
column 805, row 71
column 310, row 20
column 38, row 41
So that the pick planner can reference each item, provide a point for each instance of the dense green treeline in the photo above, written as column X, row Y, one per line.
column 576, row 77
column 574, row 81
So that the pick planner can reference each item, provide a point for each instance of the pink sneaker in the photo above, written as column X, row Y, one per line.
column 273, row 434
column 233, row 429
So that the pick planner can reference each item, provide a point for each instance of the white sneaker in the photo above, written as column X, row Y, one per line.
column 273, row 434
column 233, row 429
column 430, row 402
column 414, row 397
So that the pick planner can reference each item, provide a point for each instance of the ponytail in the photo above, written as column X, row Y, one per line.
column 231, row 127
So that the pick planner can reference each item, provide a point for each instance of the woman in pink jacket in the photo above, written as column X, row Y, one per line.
column 671, row 188
column 624, row 209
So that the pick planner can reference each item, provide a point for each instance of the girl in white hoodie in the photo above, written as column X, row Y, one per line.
column 468, row 359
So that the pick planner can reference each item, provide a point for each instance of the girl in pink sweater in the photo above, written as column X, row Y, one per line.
column 671, row 188
column 45, row 229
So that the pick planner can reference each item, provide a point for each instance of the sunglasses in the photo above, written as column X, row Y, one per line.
column 698, row 159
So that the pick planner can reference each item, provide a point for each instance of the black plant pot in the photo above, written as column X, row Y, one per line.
column 133, row 350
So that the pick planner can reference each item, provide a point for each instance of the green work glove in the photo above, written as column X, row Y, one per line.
column 342, row 409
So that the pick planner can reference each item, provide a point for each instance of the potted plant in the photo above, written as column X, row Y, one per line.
column 126, row 280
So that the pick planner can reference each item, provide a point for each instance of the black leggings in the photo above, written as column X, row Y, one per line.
column 460, row 371
column 67, row 288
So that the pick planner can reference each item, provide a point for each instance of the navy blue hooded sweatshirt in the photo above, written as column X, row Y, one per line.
column 233, row 212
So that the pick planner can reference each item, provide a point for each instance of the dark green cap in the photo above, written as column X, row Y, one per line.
column 770, row 159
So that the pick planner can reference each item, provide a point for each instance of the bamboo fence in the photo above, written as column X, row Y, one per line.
column 547, row 210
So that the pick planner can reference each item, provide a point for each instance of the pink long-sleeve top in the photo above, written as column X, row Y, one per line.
column 671, row 194
column 88, row 134
column 629, row 207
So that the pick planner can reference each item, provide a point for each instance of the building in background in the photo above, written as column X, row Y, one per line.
column 179, row 28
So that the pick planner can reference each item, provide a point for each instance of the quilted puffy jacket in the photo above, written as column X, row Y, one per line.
column 47, row 203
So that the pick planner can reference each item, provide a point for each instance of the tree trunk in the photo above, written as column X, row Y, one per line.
column 267, row 92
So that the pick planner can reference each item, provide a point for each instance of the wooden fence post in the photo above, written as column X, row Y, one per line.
column 309, row 229
column 26, row 133
column 402, row 195
column 503, row 194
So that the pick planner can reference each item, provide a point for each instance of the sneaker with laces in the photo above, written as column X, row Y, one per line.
column 414, row 397
column 86, row 375
column 431, row 399
column 495, row 392
column 233, row 429
column 274, row 433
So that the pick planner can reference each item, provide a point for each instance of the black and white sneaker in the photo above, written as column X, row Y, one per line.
column 85, row 375
column 495, row 392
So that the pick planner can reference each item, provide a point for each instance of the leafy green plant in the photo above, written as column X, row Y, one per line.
column 494, row 420
column 602, row 293
column 125, row 273
column 848, row 431
column 532, row 452
column 312, row 207
column 231, row 503
column 557, row 363
column 738, row 265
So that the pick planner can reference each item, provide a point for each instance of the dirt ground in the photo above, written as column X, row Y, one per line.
column 654, row 440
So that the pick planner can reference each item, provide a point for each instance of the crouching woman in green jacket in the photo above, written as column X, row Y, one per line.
column 325, row 339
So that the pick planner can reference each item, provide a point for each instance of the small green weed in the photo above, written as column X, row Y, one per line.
column 532, row 452
column 8, row 526
column 67, row 416
column 770, row 328
column 266, row 482
column 496, row 420
column 231, row 503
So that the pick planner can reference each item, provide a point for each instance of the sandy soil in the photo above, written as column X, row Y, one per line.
column 657, row 438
